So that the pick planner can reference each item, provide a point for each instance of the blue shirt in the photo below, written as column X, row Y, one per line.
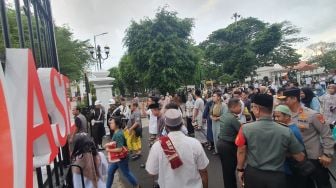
column 297, row 134
column 315, row 104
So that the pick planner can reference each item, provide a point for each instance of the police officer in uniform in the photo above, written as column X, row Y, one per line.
column 97, row 122
column 263, row 145
column 317, row 138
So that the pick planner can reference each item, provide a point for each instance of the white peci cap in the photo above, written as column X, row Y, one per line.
column 111, row 101
column 98, row 102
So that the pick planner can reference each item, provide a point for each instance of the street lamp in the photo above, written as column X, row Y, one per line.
column 96, row 51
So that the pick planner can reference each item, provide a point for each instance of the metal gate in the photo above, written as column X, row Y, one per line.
column 41, row 36
column 38, row 35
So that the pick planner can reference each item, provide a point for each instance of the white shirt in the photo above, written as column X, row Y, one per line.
column 308, row 80
column 323, row 81
column 273, row 86
column 284, row 82
column 152, row 124
column 189, row 108
column 192, row 155
column 199, row 105
column 334, row 78
column 124, row 111
column 242, row 118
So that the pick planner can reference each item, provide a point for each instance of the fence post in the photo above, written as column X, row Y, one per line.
column 30, row 28
column 19, row 23
column 4, row 24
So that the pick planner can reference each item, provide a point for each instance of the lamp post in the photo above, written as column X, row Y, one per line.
column 96, row 51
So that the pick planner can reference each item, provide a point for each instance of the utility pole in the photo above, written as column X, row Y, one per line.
column 235, row 17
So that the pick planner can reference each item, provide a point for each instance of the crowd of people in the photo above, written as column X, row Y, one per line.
column 263, row 136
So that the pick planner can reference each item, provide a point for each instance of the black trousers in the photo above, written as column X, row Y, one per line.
column 255, row 178
column 320, row 176
column 228, row 155
column 190, row 127
column 98, row 131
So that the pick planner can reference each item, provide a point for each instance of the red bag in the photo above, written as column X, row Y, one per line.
column 116, row 156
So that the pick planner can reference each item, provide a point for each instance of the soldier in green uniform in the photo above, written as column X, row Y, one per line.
column 317, row 138
column 227, row 150
column 263, row 145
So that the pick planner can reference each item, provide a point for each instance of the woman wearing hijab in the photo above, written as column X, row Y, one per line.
column 309, row 99
column 93, row 163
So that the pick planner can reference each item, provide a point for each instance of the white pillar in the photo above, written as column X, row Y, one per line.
column 104, row 93
column 102, row 84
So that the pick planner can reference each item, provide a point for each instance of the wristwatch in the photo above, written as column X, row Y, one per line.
column 240, row 169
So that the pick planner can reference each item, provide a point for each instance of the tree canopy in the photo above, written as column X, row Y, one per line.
column 73, row 55
column 118, row 84
column 325, row 55
column 162, row 51
column 247, row 44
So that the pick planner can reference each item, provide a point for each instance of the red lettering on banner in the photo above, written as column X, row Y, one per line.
column 55, row 75
column 43, row 128
column 6, row 149
column 68, row 104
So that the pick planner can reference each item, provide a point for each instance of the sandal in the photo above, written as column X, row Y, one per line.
column 136, row 156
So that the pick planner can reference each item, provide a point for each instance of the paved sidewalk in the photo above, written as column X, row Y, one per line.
column 214, row 168
column 117, row 183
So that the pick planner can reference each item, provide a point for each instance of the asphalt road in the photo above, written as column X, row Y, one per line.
column 214, row 168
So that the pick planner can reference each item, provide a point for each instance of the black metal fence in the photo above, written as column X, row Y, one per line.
column 35, row 30
column 36, row 15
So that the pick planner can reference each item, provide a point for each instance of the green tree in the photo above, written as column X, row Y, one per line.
column 320, row 48
column 325, row 55
column 118, row 84
column 162, row 50
column 72, row 54
column 284, row 54
column 237, row 50
column 13, row 30
column 129, row 74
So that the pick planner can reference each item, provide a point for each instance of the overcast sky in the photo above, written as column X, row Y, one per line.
column 316, row 18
